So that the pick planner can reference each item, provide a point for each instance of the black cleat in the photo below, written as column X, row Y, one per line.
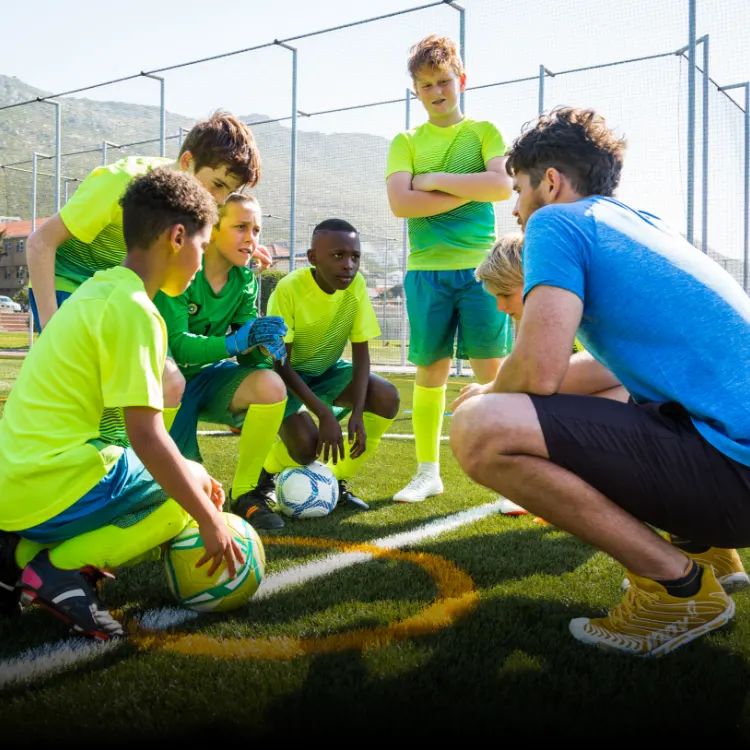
column 255, row 506
column 348, row 500
column 69, row 595
column 10, row 596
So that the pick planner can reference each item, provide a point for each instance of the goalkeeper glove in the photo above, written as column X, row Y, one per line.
column 267, row 332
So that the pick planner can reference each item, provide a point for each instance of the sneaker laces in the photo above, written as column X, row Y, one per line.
column 621, row 617
column 421, row 480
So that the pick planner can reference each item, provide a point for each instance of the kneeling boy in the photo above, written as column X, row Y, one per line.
column 97, row 371
column 249, row 395
column 324, row 307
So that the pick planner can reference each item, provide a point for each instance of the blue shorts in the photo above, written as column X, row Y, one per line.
column 59, row 296
column 451, row 306
column 125, row 496
column 327, row 386
column 207, row 396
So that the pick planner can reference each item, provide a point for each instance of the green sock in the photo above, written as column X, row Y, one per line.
column 259, row 431
column 375, row 428
column 427, row 419
column 113, row 547
column 278, row 458
column 169, row 414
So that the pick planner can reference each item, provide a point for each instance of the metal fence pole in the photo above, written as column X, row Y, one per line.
column 405, row 249
column 691, row 123
column 540, row 105
column 461, row 42
column 704, row 168
column 180, row 138
column 293, row 166
column 162, row 114
column 104, row 153
column 58, row 151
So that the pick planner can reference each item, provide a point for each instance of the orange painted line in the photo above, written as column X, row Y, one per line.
column 456, row 598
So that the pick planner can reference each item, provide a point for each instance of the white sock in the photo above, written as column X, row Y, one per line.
column 429, row 467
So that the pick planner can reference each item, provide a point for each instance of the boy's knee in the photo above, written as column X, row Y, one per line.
column 259, row 387
column 384, row 398
column 300, row 436
column 172, row 384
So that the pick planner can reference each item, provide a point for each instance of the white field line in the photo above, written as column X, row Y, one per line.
column 41, row 661
column 229, row 433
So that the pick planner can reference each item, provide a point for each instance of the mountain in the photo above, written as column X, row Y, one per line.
column 338, row 175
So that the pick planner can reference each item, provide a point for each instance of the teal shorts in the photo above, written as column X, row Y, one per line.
column 123, row 497
column 327, row 387
column 447, row 307
column 207, row 396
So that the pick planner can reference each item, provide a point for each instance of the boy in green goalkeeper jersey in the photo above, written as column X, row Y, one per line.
column 72, row 504
column 324, row 307
column 444, row 177
column 248, row 395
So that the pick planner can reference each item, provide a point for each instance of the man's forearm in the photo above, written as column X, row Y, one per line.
column 41, row 260
column 517, row 376
column 586, row 376
column 480, row 186
column 414, row 204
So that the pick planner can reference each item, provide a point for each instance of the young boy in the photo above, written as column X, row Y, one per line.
column 71, row 503
column 444, row 177
column 323, row 307
column 250, row 395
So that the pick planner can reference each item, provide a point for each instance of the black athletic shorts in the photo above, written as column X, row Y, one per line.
column 652, row 462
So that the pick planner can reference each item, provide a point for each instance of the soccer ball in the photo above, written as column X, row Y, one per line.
column 307, row 491
column 194, row 588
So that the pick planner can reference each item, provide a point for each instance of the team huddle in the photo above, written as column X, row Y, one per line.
column 605, row 403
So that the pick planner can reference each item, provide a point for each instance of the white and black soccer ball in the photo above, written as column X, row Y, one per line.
column 310, row 491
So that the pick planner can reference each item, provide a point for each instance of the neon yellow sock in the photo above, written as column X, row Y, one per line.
column 169, row 414
column 278, row 458
column 112, row 547
column 427, row 420
column 259, row 431
column 27, row 550
column 375, row 428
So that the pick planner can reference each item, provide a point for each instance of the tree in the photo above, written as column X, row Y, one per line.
column 3, row 252
column 22, row 297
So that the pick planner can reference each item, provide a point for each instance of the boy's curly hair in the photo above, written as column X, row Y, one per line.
column 576, row 142
column 435, row 52
column 222, row 140
column 160, row 199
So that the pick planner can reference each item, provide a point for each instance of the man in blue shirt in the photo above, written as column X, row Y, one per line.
column 648, row 307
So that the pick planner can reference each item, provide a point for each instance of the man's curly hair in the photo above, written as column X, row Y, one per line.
column 160, row 199
column 576, row 142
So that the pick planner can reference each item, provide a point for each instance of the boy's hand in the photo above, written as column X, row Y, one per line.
column 267, row 332
column 469, row 391
column 217, row 494
column 424, row 182
column 261, row 258
column 330, row 438
column 220, row 547
column 357, row 435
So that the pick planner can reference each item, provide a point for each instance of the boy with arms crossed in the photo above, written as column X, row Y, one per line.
column 324, row 307
column 250, row 395
column 94, row 503
column 444, row 177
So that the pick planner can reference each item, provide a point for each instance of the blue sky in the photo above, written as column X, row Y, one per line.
column 84, row 42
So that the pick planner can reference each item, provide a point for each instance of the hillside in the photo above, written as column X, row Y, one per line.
column 338, row 174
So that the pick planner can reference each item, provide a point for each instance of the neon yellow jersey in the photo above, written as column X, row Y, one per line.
column 102, row 351
column 320, row 324
column 461, row 238
column 94, row 217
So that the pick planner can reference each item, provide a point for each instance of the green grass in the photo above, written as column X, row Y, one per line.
column 14, row 340
column 509, row 670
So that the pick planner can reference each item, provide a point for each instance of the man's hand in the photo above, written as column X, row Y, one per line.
column 330, row 438
column 267, row 332
column 217, row 494
column 469, row 391
column 220, row 546
column 424, row 182
column 262, row 258
column 357, row 435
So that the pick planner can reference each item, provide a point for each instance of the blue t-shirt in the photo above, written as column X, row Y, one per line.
column 669, row 322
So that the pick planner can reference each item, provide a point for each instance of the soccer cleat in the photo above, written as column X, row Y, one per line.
column 726, row 564
column 255, row 506
column 9, row 573
column 509, row 508
column 347, row 499
column 651, row 622
column 541, row 521
column 423, row 484
column 69, row 595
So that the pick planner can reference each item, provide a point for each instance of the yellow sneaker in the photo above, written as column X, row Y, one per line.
column 650, row 622
column 727, row 566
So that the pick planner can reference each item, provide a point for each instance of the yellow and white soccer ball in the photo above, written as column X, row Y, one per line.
column 194, row 588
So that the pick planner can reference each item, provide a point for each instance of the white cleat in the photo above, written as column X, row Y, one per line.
column 422, row 485
column 509, row 508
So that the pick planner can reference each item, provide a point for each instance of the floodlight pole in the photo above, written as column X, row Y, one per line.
column 162, row 114
column 746, row 231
